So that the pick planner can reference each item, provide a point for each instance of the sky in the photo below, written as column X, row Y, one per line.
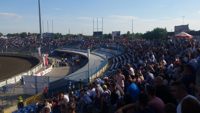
column 77, row 16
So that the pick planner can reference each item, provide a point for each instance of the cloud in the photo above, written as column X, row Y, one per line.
column 6, row 15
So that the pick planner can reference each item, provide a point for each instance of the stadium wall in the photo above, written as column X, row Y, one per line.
column 99, row 72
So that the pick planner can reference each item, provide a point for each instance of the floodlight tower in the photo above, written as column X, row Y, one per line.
column 183, row 17
column 132, row 30
column 52, row 26
column 97, row 25
column 97, row 28
column 40, row 26
column 93, row 25
column 47, row 26
column 102, row 27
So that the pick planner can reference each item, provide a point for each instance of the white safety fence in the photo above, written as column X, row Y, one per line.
column 17, row 78
column 44, row 72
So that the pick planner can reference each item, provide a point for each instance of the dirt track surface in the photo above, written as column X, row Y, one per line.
column 10, row 66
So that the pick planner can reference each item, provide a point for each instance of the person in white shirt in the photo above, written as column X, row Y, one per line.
column 131, row 71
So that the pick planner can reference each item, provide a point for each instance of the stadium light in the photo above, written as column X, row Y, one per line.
column 132, row 30
column 88, row 55
column 40, row 27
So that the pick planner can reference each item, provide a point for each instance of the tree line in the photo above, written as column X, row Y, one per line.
column 157, row 33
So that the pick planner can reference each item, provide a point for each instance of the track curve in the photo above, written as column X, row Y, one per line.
column 13, row 65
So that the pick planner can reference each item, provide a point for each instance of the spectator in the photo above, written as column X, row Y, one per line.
column 133, row 91
column 162, row 91
column 170, row 108
column 105, row 100
column 45, row 92
column 71, row 107
column 130, row 69
column 179, row 92
column 62, row 99
column 20, row 103
column 188, row 78
column 140, row 107
column 155, row 102
column 46, row 110
column 47, row 107
column 119, row 77
column 190, row 105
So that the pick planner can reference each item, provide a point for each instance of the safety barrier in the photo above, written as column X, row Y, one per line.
column 31, row 100
column 34, row 99
column 99, row 72
column 94, row 74
column 17, row 77
column 10, row 109
column 102, row 68
column 44, row 72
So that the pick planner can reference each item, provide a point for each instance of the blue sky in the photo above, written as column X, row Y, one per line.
column 77, row 15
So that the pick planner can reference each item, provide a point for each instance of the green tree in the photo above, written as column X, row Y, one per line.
column 1, row 34
column 157, row 33
column 57, row 35
column 107, row 36
column 138, row 35
column 128, row 34
column 23, row 35
column 12, row 35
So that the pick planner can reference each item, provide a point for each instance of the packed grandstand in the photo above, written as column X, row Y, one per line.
column 148, row 76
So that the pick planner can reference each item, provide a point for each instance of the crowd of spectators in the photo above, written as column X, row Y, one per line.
column 162, row 77
column 47, row 44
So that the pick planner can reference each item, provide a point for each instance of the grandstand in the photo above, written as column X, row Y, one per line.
column 142, row 66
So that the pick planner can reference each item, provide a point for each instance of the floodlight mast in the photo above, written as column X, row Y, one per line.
column 132, row 30
column 40, row 26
